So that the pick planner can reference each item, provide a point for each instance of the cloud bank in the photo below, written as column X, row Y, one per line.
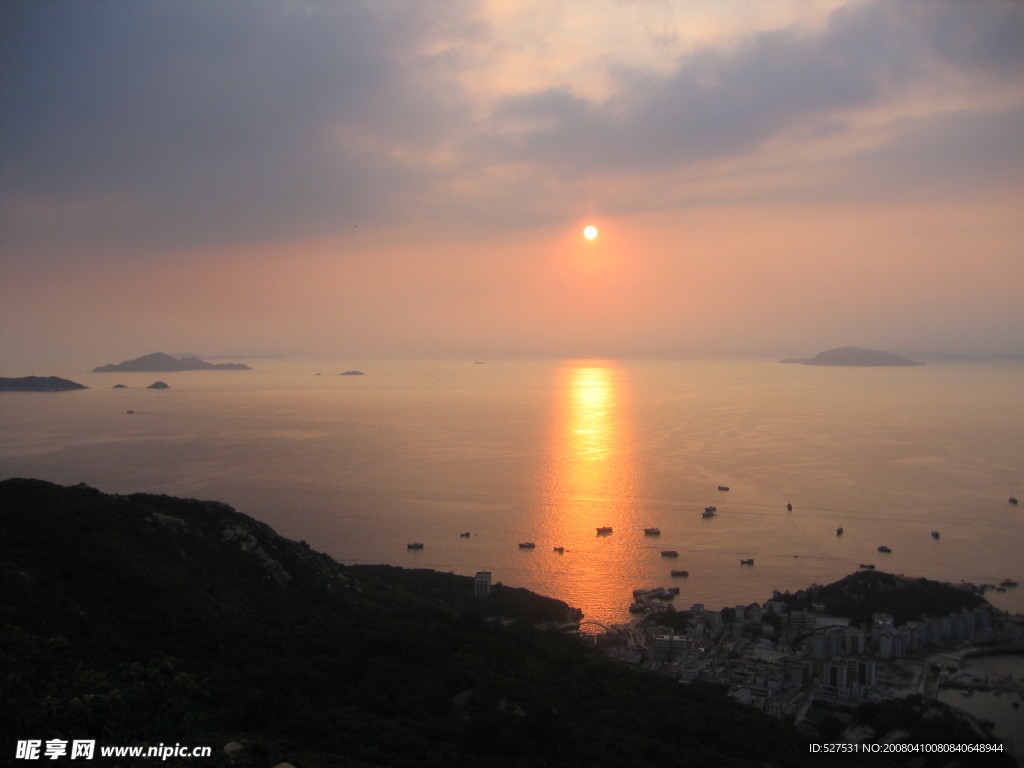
column 167, row 134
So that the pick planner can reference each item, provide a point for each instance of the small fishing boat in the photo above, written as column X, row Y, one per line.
column 723, row 487
column 935, row 534
column 415, row 545
column 748, row 561
column 680, row 573
column 652, row 531
column 885, row 549
column 839, row 531
column 526, row 545
column 560, row 550
column 669, row 553
column 604, row 530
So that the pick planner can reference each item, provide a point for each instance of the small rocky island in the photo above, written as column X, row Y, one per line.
column 853, row 356
column 159, row 362
column 39, row 384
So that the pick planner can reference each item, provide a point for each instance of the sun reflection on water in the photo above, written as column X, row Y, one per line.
column 589, row 414
column 589, row 483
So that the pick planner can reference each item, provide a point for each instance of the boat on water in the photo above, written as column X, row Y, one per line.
column 680, row 573
column 652, row 531
column 867, row 566
column 415, row 545
column 1013, row 500
column 560, row 550
column 748, row 561
column 661, row 593
column 669, row 553
column 709, row 512
column 1008, row 583
column 637, row 608
column 884, row 548
column 604, row 530
column 789, row 507
column 464, row 535
column 935, row 534
column 711, row 508
column 839, row 531
column 723, row 487
column 526, row 545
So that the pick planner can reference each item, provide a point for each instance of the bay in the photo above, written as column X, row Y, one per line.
column 548, row 451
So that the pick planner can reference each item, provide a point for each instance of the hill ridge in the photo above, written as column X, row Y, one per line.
column 144, row 618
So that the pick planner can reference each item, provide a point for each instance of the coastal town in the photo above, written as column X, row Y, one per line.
column 794, row 658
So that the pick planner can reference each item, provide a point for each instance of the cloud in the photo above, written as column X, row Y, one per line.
column 722, row 103
column 161, row 126
column 171, row 122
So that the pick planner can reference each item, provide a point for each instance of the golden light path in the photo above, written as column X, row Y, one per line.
column 589, row 483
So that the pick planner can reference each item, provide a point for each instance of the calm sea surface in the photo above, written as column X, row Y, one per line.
column 547, row 452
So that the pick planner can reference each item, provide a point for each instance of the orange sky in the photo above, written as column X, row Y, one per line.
column 374, row 179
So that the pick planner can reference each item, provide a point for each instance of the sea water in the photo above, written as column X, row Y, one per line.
column 993, row 706
column 547, row 452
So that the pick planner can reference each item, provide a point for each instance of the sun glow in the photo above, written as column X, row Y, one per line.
column 590, row 232
column 591, row 471
column 589, row 486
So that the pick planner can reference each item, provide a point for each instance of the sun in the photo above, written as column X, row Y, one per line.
column 590, row 232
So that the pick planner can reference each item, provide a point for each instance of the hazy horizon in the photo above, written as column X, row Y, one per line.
column 84, row 362
column 385, row 179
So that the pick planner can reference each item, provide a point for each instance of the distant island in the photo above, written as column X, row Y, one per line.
column 39, row 384
column 159, row 385
column 159, row 362
column 853, row 356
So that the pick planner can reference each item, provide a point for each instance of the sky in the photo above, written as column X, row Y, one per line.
column 399, row 178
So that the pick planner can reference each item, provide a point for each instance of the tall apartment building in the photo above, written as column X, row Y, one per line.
column 482, row 584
